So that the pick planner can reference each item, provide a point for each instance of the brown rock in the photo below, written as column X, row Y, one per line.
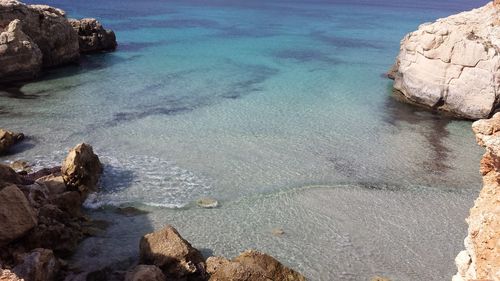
column 481, row 259
column 92, row 36
column 16, row 215
column 69, row 202
column 21, row 166
column 250, row 265
column 7, row 138
column 174, row 255
column 20, row 57
column 7, row 275
column 42, row 173
column 54, row 184
column 145, row 273
column 39, row 265
column 271, row 268
column 81, row 169
column 47, row 27
column 9, row 176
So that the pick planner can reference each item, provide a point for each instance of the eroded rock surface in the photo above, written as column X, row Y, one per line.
column 145, row 273
column 481, row 259
column 92, row 36
column 173, row 254
column 81, row 169
column 453, row 64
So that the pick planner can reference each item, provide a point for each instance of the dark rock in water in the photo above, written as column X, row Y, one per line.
column 8, row 139
column 130, row 211
column 92, row 36
column 39, row 265
column 207, row 203
column 174, row 255
column 21, row 166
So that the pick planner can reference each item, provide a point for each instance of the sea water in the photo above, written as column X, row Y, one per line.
column 277, row 109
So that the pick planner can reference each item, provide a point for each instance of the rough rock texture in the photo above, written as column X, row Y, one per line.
column 20, row 57
column 17, row 217
column 453, row 64
column 250, row 265
column 174, row 255
column 81, row 169
column 145, row 273
column 92, row 36
column 7, row 138
column 47, row 27
column 481, row 259
column 7, row 275
column 9, row 176
column 39, row 265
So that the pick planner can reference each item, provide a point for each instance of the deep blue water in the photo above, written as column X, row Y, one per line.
column 253, row 103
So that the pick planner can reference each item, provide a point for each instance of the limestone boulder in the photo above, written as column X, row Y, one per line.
column 7, row 275
column 82, row 169
column 92, row 36
column 173, row 254
column 48, row 27
column 481, row 258
column 17, row 217
column 145, row 273
column 453, row 64
column 20, row 57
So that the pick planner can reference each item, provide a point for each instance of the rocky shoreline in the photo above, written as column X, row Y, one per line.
column 42, row 223
column 453, row 64
column 37, row 37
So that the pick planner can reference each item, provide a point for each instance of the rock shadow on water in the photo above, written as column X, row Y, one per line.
column 398, row 111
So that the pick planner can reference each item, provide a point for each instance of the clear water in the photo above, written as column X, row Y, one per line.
column 280, row 111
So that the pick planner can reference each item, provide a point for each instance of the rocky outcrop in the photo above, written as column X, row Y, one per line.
column 174, row 255
column 81, row 169
column 40, row 215
column 7, row 138
column 33, row 37
column 481, row 259
column 47, row 27
column 20, row 57
column 92, row 36
column 453, row 64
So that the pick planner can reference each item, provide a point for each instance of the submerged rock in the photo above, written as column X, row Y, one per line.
column 21, row 166
column 92, row 36
column 481, row 259
column 453, row 64
column 207, row 203
column 82, row 169
column 173, row 254
column 8, row 138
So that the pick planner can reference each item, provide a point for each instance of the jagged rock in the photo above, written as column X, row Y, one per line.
column 54, row 184
column 20, row 57
column 250, row 265
column 8, row 176
column 174, row 255
column 145, row 273
column 17, row 217
column 453, row 64
column 481, row 259
column 42, row 173
column 92, row 36
column 38, row 265
column 47, row 27
column 81, row 169
column 7, row 275
column 7, row 138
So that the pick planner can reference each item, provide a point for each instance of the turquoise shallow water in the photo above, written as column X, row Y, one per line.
column 250, row 102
